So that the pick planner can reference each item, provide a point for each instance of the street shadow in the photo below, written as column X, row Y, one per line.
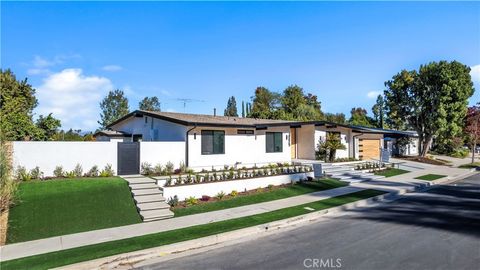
column 450, row 208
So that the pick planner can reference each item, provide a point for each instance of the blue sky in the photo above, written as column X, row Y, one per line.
column 73, row 53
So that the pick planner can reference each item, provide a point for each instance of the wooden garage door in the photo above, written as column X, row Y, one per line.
column 369, row 149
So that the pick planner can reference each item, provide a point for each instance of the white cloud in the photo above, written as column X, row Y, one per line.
column 112, row 68
column 373, row 94
column 41, row 65
column 475, row 73
column 73, row 98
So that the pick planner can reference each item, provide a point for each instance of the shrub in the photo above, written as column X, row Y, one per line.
column 460, row 153
column 70, row 174
column 36, row 173
column 270, row 187
column 169, row 168
column 107, row 171
column 191, row 201
column 146, row 168
column 234, row 193
column 182, row 167
column 220, row 195
column 205, row 198
column 23, row 174
column 173, row 201
column 58, row 172
column 158, row 169
column 93, row 172
column 225, row 167
column 78, row 171
column 169, row 181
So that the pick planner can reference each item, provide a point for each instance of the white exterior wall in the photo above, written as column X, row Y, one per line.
column 345, row 136
column 162, row 152
column 167, row 131
column 212, row 189
column 306, row 143
column 48, row 155
column 243, row 148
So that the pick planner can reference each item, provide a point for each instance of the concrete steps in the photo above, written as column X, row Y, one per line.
column 348, row 173
column 148, row 198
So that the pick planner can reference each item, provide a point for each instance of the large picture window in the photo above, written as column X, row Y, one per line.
column 274, row 142
column 213, row 142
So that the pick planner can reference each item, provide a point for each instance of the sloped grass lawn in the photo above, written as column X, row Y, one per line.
column 430, row 177
column 58, row 207
column 275, row 194
column 75, row 255
column 391, row 172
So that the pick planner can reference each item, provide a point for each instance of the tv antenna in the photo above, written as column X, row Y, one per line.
column 188, row 100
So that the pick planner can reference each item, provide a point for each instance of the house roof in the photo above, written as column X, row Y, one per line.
column 205, row 120
column 111, row 133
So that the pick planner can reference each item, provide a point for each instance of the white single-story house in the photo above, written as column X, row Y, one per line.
column 207, row 141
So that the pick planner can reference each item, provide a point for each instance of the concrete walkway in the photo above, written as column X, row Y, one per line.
column 30, row 248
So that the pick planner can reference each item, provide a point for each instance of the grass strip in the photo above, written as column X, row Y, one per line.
column 58, row 207
column 80, row 254
column 430, row 177
column 275, row 194
column 391, row 172
column 470, row 165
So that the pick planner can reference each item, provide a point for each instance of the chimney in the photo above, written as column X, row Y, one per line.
column 214, row 111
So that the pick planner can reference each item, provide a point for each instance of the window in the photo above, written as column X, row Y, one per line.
column 213, row 142
column 245, row 131
column 274, row 142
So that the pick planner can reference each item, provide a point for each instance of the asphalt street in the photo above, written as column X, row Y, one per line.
column 437, row 229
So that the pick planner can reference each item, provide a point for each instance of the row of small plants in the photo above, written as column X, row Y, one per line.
column 22, row 174
column 174, row 202
column 232, row 174
column 349, row 159
column 369, row 166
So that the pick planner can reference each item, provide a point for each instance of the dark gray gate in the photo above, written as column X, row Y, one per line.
column 128, row 158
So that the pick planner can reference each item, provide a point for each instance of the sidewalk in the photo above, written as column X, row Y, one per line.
column 35, row 247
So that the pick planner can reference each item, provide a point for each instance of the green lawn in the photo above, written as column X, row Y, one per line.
column 470, row 165
column 281, row 193
column 58, row 207
column 430, row 177
column 391, row 172
column 70, row 256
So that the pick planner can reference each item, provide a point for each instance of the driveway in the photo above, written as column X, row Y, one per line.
column 438, row 229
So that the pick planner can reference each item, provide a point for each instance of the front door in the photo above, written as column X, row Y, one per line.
column 293, row 142
column 128, row 158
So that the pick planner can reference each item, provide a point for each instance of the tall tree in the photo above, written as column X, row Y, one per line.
column 265, row 103
column 338, row 118
column 17, row 101
column 149, row 104
column 231, row 109
column 359, row 117
column 433, row 101
column 472, row 127
column 379, row 112
column 298, row 106
column 243, row 109
column 48, row 126
column 113, row 106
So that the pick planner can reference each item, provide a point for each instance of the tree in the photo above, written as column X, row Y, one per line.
column 327, row 149
column 298, row 106
column 149, row 104
column 472, row 127
column 379, row 112
column 433, row 101
column 17, row 101
column 265, row 104
column 338, row 118
column 48, row 126
column 231, row 109
column 113, row 106
column 359, row 117
column 243, row 109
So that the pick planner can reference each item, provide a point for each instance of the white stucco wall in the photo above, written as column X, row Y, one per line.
column 246, row 149
column 212, row 189
column 48, row 155
column 162, row 152
column 167, row 131
column 345, row 136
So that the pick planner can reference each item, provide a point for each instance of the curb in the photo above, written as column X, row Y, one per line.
column 238, row 236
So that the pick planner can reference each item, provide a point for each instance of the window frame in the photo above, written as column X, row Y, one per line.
column 214, row 150
column 275, row 141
